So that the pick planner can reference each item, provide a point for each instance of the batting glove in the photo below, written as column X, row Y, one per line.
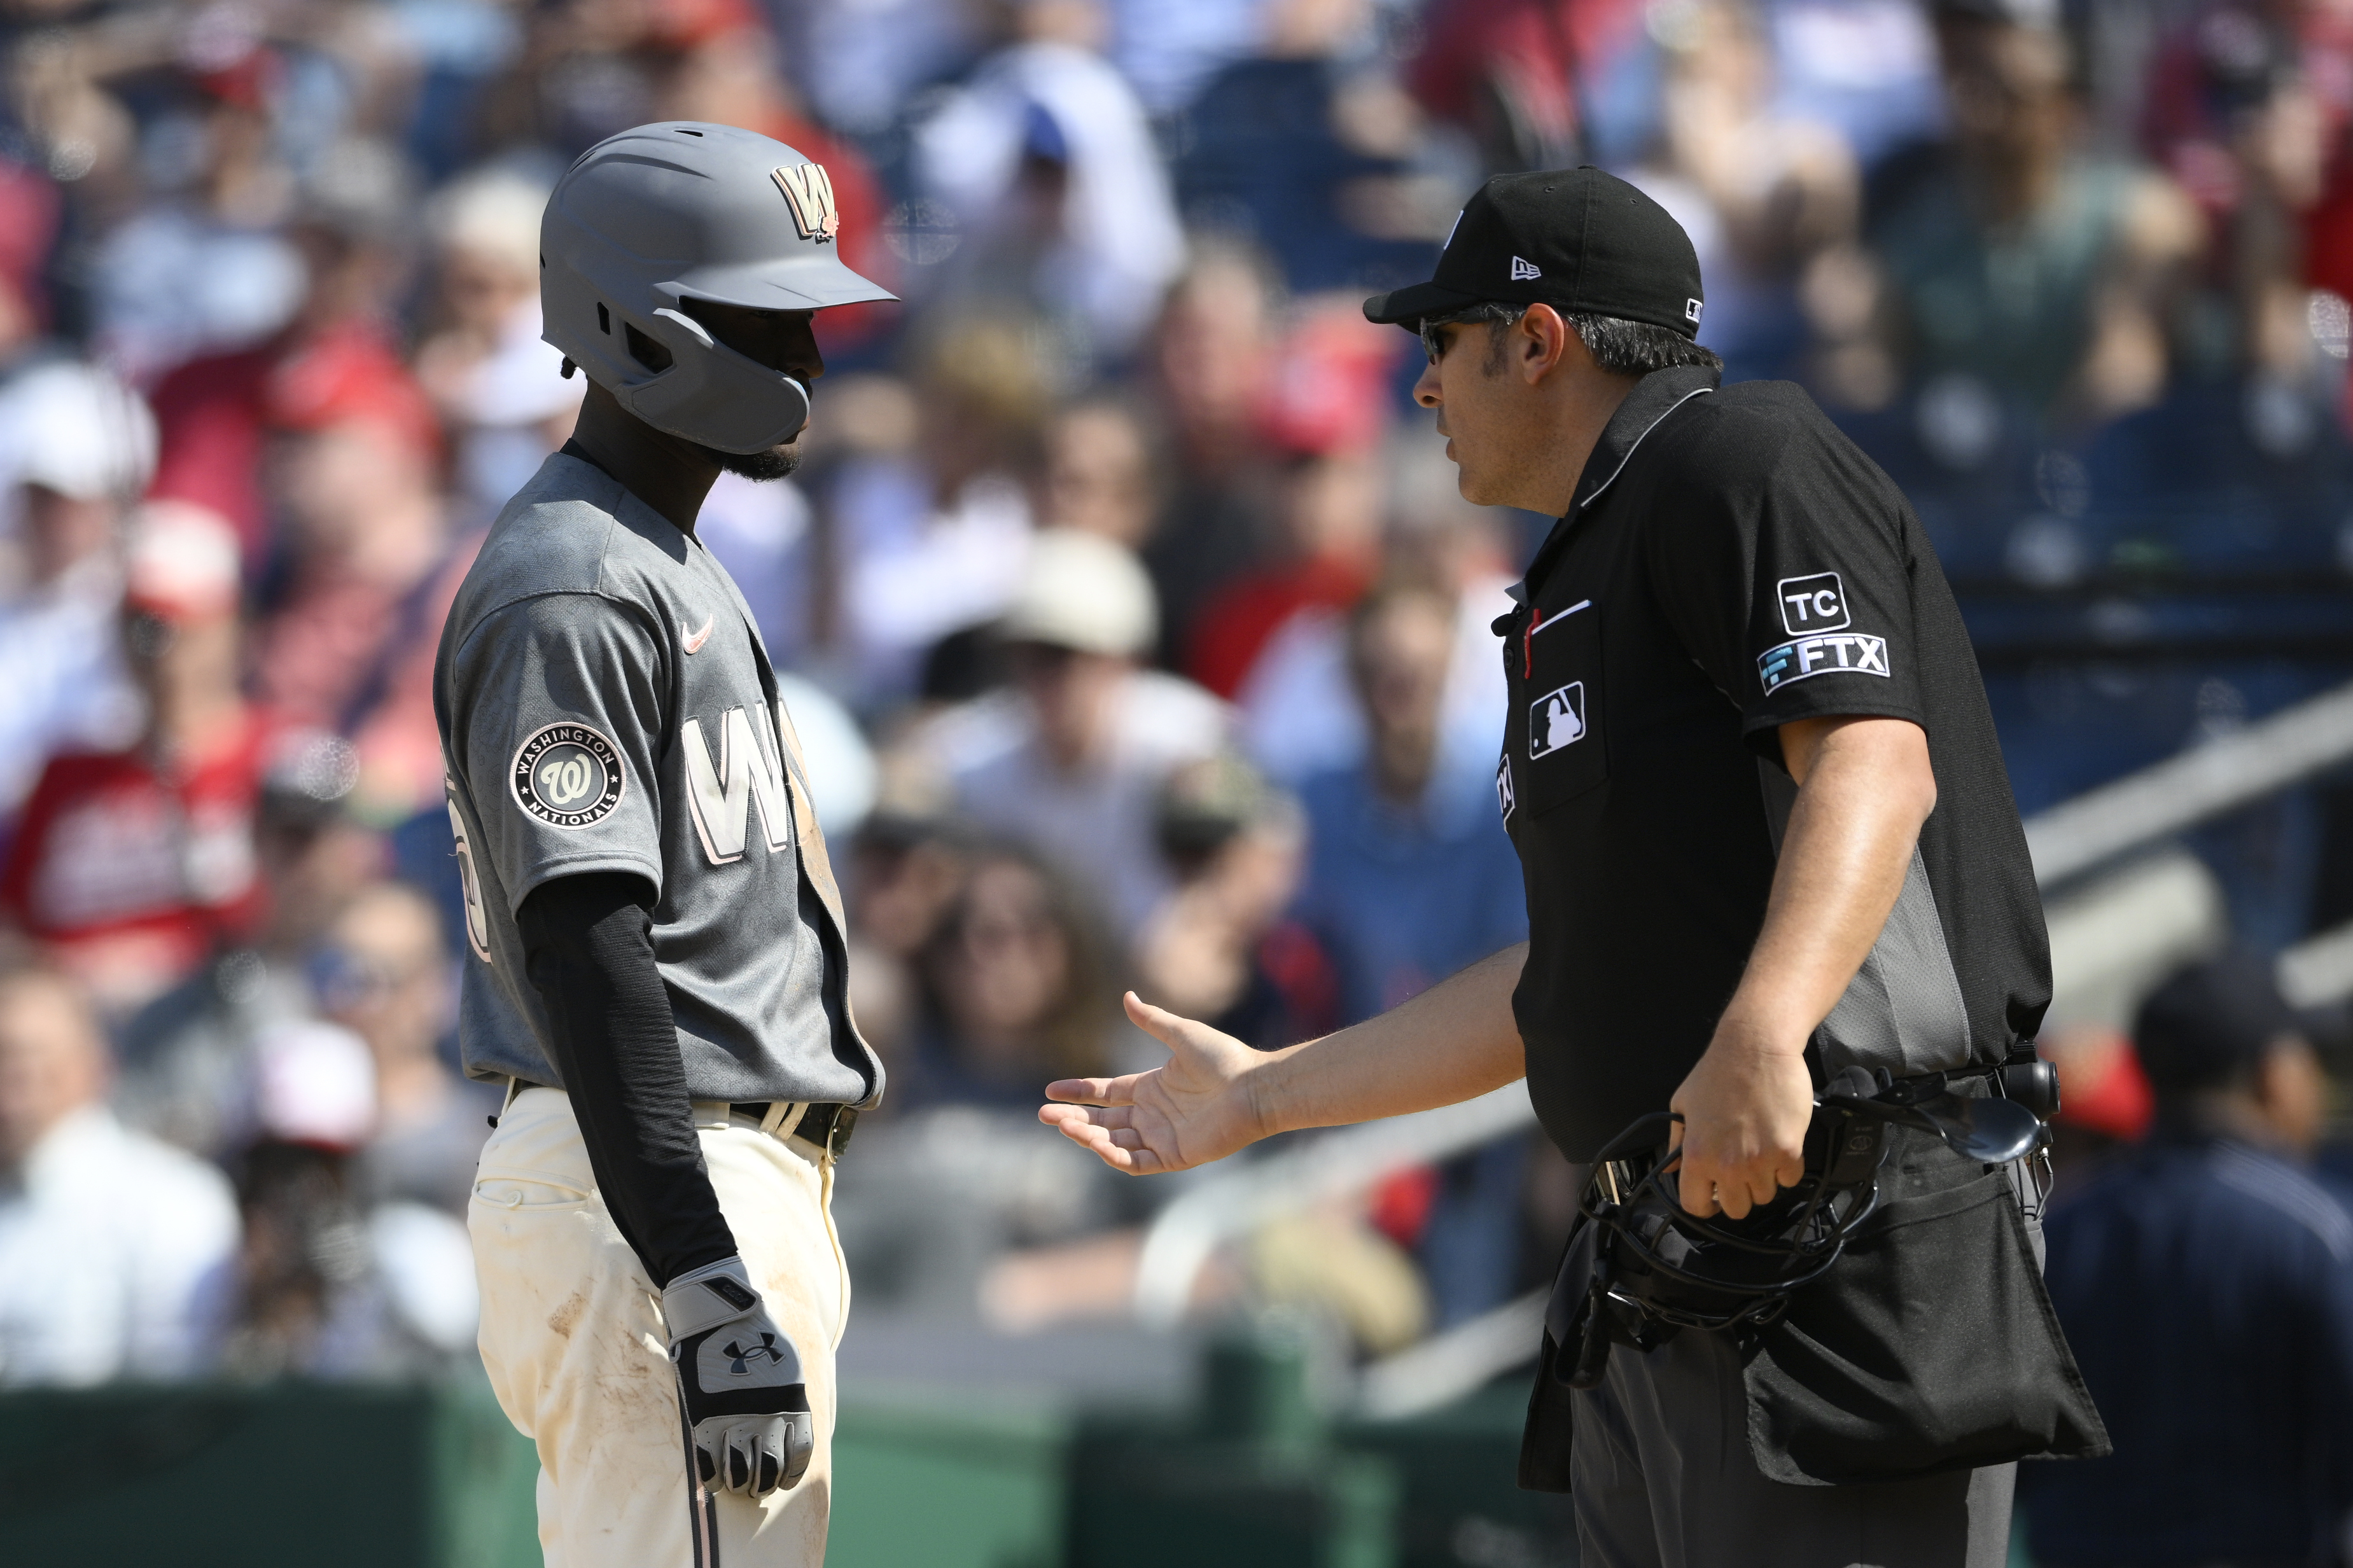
column 741, row 1379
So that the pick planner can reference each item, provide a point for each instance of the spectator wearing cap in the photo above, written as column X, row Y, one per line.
column 129, row 867
column 105, row 1235
column 326, row 1283
column 2206, row 1283
column 1046, row 159
column 1223, row 946
column 1072, row 759
column 78, row 445
column 1325, row 409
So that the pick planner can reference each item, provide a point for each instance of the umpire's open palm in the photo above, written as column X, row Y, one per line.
column 1196, row 1108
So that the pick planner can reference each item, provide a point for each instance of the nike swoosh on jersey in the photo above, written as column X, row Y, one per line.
column 692, row 641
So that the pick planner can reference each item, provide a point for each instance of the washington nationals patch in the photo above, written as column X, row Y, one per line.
column 567, row 776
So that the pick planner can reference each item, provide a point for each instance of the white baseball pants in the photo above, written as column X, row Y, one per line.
column 572, row 1337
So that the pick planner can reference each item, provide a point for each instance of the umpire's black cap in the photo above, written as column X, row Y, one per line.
column 1578, row 239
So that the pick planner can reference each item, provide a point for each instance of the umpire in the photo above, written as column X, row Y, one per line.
column 657, row 946
column 1765, row 834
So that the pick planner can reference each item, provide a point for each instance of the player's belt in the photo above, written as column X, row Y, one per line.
column 826, row 1124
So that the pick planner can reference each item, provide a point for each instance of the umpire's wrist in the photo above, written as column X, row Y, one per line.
column 1269, row 1092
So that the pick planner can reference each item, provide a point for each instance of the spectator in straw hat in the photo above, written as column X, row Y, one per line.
column 1072, row 759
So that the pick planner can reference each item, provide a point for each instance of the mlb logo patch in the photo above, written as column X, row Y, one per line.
column 1812, row 605
column 1556, row 721
column 1691, row 311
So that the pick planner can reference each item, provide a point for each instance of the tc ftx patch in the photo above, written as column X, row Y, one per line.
column 1815, row 604
column 1851, row 653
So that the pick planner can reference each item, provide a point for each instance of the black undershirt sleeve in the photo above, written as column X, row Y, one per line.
column 589, row 950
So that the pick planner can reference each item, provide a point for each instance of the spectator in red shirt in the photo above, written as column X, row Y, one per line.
column 1327, row 406
column 130, row 866
column 1209, row 363
column 214, row 415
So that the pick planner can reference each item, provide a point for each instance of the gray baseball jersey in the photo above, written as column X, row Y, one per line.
column 605, row 705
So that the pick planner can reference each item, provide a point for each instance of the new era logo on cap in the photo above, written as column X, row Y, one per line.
column 1525, row 269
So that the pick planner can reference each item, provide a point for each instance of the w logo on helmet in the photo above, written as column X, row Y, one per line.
column 809, row 190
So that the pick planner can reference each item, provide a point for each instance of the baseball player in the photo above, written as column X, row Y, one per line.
column 656, row 961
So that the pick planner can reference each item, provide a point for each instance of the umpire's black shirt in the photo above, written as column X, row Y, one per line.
column 1732, row 563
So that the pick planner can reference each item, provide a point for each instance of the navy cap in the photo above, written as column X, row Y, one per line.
column 2211, row 1020
column 1580, row 240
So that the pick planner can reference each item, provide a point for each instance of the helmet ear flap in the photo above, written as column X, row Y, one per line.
column 705, row 391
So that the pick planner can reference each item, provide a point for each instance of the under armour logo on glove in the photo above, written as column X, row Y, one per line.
column 741, row 1355
column 740, row 1379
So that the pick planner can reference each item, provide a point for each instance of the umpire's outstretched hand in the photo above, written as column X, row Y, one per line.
column 1198, row 1107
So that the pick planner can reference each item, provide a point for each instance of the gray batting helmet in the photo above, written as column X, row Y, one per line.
column 680, row 211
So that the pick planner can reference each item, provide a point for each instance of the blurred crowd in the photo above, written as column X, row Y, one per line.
column 1134, row 628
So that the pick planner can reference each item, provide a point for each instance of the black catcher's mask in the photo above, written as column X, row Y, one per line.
column 1641, row 1268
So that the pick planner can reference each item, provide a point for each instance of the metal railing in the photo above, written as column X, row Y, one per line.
column 2086, row 834
column 1237, row 1200
column 2183, row 791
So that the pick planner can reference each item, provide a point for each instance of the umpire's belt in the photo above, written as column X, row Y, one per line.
column 825, row 1124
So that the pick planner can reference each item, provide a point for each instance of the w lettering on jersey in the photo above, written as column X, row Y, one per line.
column 469, row 876
column 721, row 795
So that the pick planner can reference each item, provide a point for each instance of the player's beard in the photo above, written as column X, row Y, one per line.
column 775, row 463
